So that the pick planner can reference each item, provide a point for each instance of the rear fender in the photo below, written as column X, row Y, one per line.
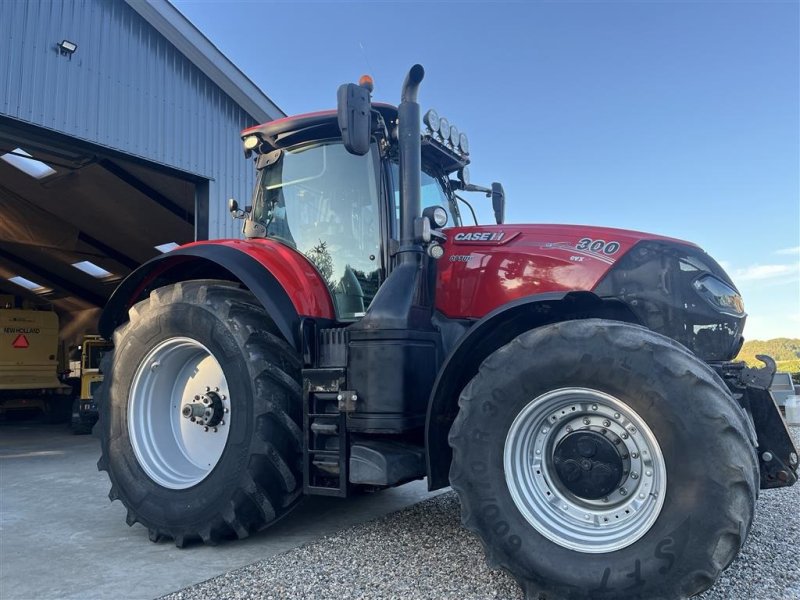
column 283, row 280
column 490, row 333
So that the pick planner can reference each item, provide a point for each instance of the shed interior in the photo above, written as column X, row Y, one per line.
column 71, row 232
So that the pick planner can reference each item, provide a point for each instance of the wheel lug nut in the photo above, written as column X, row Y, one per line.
column 632, row 429
column 648, row 473
column 223, row 397
column 214, row 430
column 208, row 389
column 605, row 499
column 625, row 457
column 545, row 429
column 193, row 419
column 216, row 389
column 569, row 429
column 222, row 422
column 594, row 406
column 624, row 436
column 622, row 491
column 616, row 415
column 225, row 409
column 641, row 496
column 606, row 423
column 586, row 421
column 634, row 455
column 634, row 476
column 196, row 397
column 205, row 428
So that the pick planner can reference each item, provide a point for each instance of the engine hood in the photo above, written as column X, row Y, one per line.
column 485, row 267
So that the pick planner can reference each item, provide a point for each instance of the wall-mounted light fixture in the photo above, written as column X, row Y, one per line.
column 67, row 48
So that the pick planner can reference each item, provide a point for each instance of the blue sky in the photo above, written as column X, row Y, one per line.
column 679, row 118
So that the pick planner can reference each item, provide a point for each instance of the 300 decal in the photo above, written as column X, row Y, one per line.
column 590, row 245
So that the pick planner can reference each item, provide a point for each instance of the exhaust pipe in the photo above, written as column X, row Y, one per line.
column 410, row 163
column 405, row 300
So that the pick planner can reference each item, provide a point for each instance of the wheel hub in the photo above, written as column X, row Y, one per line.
column 584, row 469
column 178, row 429
column 207, row 410
column 588, row 464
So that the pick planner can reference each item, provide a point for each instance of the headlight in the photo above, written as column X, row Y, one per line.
column 720, row 295
column 436, row 215
column 454, row 136
column 431, row 120
column 250, row 142
column 440, row 216
column 463, row 143
column 444, row 128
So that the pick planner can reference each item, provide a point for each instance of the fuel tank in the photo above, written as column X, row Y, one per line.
column 487, row 266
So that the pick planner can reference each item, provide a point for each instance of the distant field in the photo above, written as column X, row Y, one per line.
column 785, row 351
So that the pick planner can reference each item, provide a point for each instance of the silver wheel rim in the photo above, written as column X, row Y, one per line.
column 174, row 451
column 591, row 526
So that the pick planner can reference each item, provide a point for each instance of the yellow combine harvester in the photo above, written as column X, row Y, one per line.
column 84, row 408
column 29, row 362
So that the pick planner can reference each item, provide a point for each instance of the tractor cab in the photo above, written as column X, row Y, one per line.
column 340, row 209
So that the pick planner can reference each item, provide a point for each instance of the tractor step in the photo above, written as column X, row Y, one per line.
column 385, row 463
column 325, row 440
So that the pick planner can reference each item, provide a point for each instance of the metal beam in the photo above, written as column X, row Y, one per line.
column 108, row 251
column 146, row 190
column 52, row 280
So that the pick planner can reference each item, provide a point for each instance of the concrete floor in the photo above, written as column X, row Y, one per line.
column 60, row 537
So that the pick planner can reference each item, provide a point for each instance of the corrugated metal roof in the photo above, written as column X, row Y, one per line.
column 169, row 21
column 130, row 88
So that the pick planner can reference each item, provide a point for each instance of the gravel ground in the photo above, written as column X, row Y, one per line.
column 423, row 552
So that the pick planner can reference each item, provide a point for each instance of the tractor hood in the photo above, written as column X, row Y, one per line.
column 485, row 267
column 672, row 286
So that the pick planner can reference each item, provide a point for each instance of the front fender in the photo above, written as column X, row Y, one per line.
column 282, row 279
column 493, row 331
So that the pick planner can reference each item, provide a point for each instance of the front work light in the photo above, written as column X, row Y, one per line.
column 444, row 129
column 431, row 120
column 251, row 142
column 463, row 143
column 440, row 216
column 454, row 136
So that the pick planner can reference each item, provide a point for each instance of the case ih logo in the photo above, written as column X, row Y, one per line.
column 480, row 236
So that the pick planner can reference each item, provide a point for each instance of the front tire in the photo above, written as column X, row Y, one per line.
column 199, row 413
column 597, row 459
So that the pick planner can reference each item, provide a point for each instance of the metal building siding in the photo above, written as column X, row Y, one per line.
column 127, row 88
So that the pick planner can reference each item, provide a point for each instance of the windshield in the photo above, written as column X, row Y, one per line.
column 433, row 194
column 323, row 201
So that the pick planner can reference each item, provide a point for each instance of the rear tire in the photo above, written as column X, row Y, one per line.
column 178, row 475
column 682, row 531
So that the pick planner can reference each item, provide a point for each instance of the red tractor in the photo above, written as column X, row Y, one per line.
column 574, row 385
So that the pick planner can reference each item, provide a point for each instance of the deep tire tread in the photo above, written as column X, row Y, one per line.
column 727, row 423
column 261, row 497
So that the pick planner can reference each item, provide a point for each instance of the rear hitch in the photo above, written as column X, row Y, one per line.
column 777, row 454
